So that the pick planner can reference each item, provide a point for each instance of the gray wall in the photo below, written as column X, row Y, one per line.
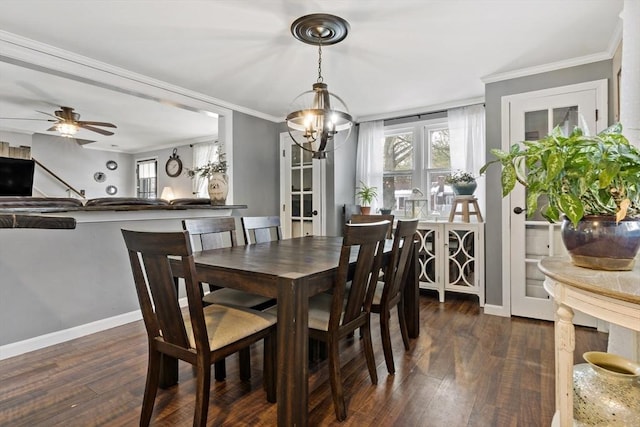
column 256, row 165
column 181, row 185
column 493, row 98
column 77, row 165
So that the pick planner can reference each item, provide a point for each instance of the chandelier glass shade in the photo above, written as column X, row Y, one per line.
column 67, row 129
column 319, row 115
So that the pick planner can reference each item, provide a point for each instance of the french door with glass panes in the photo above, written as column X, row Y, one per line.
column 302, row 191
column 533, row 238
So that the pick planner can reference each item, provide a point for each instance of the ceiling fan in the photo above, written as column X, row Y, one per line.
column 67, row 123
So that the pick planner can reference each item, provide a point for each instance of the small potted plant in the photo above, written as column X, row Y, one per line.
column 462, row 183
column 216, row 175
column 366, row 195
column 592, row 182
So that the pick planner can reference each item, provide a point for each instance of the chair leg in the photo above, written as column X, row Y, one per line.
column 386, row 341
column 203, row 385
column 403, row 325
column 245, row 363
column 220, row 369
column 270, row 366
column 336, row 380
column 368, row 352
column 151, row 387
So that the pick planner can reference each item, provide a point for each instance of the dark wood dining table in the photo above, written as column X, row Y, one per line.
column 291, row 270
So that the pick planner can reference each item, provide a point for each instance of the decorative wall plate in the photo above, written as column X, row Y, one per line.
column 112, row 165
column 100, row 177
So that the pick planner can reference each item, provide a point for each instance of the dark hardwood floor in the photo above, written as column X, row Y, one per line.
column 465, row 369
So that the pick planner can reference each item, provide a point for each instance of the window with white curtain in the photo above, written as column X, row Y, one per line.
column 416, row 160
column 147, row 178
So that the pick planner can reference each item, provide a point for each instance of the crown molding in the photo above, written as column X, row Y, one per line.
column 553, row 66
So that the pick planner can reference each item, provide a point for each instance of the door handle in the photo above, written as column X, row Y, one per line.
column 518, row 210
column 314, row 213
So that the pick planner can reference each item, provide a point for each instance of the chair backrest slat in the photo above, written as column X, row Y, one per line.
column 396, row 274
column 368, row 240
column 213, row 233
column 260, row 229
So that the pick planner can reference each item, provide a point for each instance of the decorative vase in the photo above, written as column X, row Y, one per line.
column 606, row 391
column 464, row 188
column 598, row 242
column 218, row 188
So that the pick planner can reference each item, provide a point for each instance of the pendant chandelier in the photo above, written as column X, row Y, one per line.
column 318, row 114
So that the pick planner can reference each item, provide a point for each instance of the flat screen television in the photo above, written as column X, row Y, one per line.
column 16, row 177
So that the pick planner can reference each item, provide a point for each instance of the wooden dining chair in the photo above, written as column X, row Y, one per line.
column 333, row 317
column 215, row 233
column 389, row 293
column 365, row 219
column 200, row 335
column 260, row 229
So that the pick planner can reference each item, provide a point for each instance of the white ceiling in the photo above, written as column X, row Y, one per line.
column 400, row 56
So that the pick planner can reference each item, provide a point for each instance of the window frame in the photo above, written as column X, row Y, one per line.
column 148, row 194
column 421, row 174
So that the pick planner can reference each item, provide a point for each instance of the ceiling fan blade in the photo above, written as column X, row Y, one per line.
column 109, row 125
column 48, row 114
column 22, row 118
column 98, row 130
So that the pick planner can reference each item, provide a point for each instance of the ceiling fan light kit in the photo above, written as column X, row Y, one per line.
column 318, row 114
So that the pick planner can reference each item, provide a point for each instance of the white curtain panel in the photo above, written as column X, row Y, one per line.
column 370, row 158
column 467, row 144
column 202, row 154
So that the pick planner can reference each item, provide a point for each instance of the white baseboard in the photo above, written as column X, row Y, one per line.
column 496, row 310
column 42, row 341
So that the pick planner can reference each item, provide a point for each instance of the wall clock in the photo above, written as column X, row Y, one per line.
column 174, row 164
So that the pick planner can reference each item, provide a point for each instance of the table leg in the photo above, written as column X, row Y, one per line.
column 412, row 295
column 565, row 344
column 293, row 351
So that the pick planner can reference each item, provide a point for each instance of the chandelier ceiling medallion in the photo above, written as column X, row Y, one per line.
column 319, row 115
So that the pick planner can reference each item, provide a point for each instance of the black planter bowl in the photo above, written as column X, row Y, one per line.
column 598, row 242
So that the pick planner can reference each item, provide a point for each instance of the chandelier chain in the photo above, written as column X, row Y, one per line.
column 320, row 79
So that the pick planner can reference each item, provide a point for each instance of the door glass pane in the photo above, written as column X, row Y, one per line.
column 307, row 176
column 295, row 180
column 308, row 207
column 306, row 154
column 295, row 155
column 536, row 126
column 295, row 205
column 566, row 118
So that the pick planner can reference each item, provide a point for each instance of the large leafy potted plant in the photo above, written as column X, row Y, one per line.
column 216, row 175
column 592, row 182
column 366, row 194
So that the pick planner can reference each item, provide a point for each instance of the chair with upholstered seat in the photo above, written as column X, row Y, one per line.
column 389, row 293
column 333, row 317
column 200, row 335
column 214, row 233
column 260, row 229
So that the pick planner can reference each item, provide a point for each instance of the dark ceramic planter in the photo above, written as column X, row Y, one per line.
column 464, row 188
column 601, row 244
